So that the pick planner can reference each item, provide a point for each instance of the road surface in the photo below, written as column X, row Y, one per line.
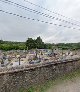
column 72, row 85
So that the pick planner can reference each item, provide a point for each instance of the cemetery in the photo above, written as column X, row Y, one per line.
column 27, row 57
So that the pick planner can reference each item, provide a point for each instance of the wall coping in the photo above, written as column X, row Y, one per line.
column 9, row 70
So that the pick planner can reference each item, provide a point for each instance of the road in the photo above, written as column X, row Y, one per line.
column 67, row 86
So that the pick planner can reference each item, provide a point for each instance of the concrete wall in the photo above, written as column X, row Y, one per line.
column 11, row 80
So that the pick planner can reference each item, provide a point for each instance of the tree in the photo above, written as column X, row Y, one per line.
column 30, row 43
column 39, row 43
column 1, row 41
column 33, row 44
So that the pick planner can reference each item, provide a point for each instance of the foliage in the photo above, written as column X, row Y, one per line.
column 36, row 43
column 71, row 46
column 33, row 44
column 7, row 45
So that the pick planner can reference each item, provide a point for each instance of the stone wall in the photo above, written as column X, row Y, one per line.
column 11, row 80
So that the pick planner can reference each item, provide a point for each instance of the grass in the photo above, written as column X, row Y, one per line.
column 49, row 84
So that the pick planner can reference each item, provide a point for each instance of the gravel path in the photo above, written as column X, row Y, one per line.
column 67, row 86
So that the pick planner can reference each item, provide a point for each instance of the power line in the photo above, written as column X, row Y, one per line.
column 24, row 17
column 37, row 12
column 14, row 14
column 50, row 10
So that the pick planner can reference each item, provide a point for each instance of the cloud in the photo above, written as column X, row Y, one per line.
column 17, row 29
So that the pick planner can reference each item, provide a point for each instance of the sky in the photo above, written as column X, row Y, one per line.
column 13, row 28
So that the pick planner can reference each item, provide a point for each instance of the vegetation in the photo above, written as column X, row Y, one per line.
column 72, row 46
column 44, row 87
column 36, row 43
column 8, row 45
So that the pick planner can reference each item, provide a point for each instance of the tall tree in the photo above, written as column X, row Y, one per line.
column 30, row 43
column 39, row 43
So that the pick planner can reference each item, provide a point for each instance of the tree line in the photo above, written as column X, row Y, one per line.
column 38, row 43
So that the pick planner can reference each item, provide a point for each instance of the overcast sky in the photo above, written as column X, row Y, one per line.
column 13, row 28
